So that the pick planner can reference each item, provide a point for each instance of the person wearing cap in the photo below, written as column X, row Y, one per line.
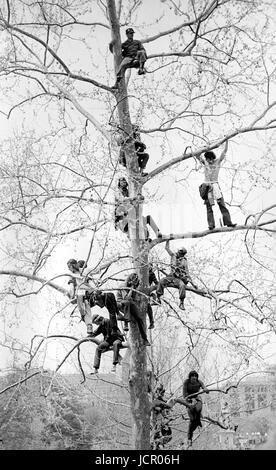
column 210, row 189
column 81, row 289
column 178, row 277
column 127, row 299
column 134, row 55
column 112, row 337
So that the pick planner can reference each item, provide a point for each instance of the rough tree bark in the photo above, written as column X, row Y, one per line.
column 138, row 361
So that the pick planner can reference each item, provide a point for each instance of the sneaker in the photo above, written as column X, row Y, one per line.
column 231, row 225
column 95, row 371
column 89, row 330
column 181, row 306
column 113, row 369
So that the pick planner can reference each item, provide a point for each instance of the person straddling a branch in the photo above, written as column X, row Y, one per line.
column 81, row 289
column 194, row 404
column 192, row 401
column 126, row 300
column 210, row 190
column 179, row 276
column 122, row 207
column 134, row 56
column 112, row 338
column 142, row 157
column 108, row 300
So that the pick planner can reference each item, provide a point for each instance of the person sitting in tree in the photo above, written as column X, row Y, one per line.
column 81, row 290
column 142, row 157
column 127, row 299
column 134, row 56
column 108, row 300
column 210, row 190
column 179, row 276
column 192, row 401
column 123, row 206
column 112, row 337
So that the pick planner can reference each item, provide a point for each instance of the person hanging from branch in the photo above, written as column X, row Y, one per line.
column 210, row 190
column 127, row 298
column 123, row 204
column 108, row 300
column 112, row 337
column 179, row 276
column 81, row 290
column 134, row 56
column 142, row 157
column 192, row 401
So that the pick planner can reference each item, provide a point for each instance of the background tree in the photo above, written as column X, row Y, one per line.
column 210, row 79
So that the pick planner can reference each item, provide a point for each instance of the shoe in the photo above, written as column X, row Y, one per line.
column 211, row 228
column 95, row 371
column 89, row 330
column 151, row 325
column 159, row 235
column 141, row 72
column 146, row 342
column 231, row 225
column 113, row 369
column 181, row 306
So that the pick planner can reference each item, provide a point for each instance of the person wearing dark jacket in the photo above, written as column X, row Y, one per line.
column 179, row 276
column 111, row 336
column 134, row 55
column 140, row 147
column 126, row 300
column 108, row 300
column 191, row 386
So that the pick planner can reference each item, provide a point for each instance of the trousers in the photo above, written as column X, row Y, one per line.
column 104, row 346
column 223, row 209
column 172, row 281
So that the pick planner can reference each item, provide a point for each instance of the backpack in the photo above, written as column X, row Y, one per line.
column 203, row 190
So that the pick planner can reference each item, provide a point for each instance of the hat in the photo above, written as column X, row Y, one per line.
column 182, row 252
column 129, row 30
column 95, row 317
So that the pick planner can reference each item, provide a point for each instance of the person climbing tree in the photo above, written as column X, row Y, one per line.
column 179, row 276
column 161, row 431
column 142, row 157
column 210, row 189
column 126, row 300
column 123, row 206
column 192, row 401
column 112, row 337
column 81, row 290
column 134, row 56
column 108, row 300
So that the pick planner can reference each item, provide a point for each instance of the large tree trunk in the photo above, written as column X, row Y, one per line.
column 138, row 361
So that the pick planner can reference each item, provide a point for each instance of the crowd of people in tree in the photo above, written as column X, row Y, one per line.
column 125, row 305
